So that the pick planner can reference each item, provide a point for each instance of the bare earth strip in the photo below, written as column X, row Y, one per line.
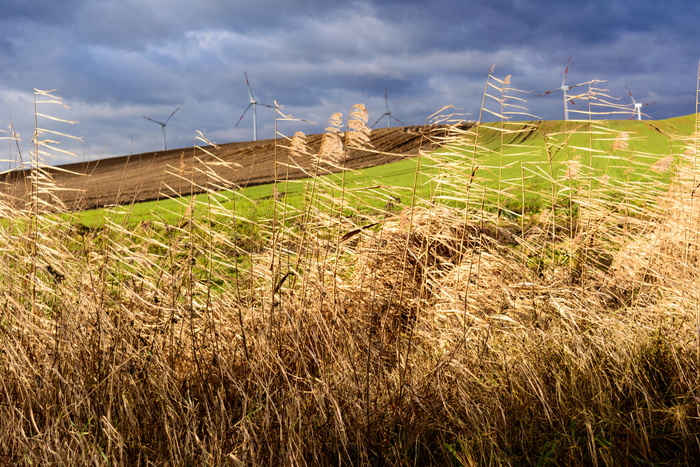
column 150, row 176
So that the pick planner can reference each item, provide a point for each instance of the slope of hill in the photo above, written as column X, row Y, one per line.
column 154, row 175
column 149, row 176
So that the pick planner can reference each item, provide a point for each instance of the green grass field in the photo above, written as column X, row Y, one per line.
column 517, row 163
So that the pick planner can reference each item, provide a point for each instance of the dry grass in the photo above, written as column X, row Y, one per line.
column 448, row 335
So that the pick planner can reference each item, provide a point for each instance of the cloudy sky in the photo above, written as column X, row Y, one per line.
column 115, row 61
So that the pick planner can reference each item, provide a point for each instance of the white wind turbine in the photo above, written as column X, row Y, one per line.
column 254, row 104
column 637, row 105
column 162, row 124
column 564, row 88
column 387, row 113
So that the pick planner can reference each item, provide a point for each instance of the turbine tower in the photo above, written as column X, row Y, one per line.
column 637, row 105
column 254, row 104
column 564, row 88
column 162, row 124
column 387, row 113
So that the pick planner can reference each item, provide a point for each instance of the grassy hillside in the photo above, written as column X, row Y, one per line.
column 526, row 295
column 517, row 164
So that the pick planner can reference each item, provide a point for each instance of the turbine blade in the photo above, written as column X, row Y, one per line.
column 548, row 92
column 155, row 121
column 250, row 91
column 171, row 115
column 386, row 99
column 582, row 84
column 243, row 114
column 391, row 116
column 384, row 115
column 566, row 72
column 631, row 96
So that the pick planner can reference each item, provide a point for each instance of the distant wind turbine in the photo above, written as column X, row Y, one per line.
column 564, row 88
column 254, row 104
column 162, row 124
column 387, row 113
column 637, row 105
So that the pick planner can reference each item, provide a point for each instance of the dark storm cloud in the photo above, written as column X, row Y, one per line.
column 493, row 24
column 114, row 62
column 38, row 10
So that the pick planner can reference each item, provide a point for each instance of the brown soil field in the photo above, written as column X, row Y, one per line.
column 153, row 175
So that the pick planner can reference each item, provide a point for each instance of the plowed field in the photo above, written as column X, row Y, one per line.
column 149, row 176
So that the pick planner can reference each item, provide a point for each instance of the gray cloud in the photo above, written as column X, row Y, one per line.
column 114, row 62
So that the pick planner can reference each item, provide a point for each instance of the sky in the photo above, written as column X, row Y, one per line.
column 114, row 62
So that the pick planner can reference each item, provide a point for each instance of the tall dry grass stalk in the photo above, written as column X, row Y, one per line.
column 463, row 331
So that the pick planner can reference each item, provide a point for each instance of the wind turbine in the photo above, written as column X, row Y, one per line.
column 564, row 88
column 162, row 124
column 387, row 113
column 637, row 105
column 254, row 104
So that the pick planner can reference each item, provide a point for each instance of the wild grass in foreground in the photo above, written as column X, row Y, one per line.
column 455, row 332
